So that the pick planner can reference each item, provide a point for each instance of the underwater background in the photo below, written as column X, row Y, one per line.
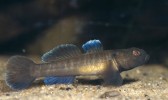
column 33, row 27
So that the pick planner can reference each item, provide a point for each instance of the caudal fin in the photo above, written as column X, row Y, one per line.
column 18, row 72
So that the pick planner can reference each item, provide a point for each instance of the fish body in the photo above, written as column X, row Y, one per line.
column 67, row 61
column 85, row 64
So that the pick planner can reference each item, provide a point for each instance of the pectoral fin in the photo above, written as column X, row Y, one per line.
column 112, row 76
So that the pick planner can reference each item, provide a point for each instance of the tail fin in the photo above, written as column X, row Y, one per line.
column 18, row 72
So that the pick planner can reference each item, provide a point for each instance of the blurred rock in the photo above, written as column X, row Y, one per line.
column 63, row 32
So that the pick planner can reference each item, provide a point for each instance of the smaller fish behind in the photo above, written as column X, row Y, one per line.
column 69, row 61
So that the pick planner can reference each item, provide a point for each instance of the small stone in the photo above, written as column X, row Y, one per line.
column 68, row 88
column 110, row 94
column 157, row 84
column 99, row 87
column 127, row 75
column 145, row 95
column 161, row 78
column 145, row 74
column 7, row 94
column 138, row 71
column 149, row 83
column 65, row 88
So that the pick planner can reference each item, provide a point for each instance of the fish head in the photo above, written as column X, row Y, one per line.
column 130, row 58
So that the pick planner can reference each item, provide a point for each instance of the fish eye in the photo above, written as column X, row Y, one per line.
column 136, row 52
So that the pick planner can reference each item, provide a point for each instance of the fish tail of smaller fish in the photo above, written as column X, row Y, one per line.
column 18, row 72
column 59, row 80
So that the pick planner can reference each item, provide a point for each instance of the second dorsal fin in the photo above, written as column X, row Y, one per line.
column 92, row 46
column 61, row 52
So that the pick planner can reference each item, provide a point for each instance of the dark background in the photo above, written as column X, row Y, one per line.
column 32, row 27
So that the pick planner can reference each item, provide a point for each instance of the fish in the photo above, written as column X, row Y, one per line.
column 68, row 61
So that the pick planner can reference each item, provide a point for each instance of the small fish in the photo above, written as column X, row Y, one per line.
column 67, row 61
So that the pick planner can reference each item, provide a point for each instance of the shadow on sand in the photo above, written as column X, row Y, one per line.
column 100, row 81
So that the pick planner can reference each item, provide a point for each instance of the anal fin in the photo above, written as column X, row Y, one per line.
column 59, row 80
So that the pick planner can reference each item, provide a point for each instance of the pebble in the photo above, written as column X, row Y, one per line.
column 110, row 94
column 7, row 94
column 65, row 88
column 138, row 71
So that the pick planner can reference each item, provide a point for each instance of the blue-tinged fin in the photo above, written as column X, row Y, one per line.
column 57, row 53
column 92, row 46
column 18, row 74
column 59, row 80
column 61, row 52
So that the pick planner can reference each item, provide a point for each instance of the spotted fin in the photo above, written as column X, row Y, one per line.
column 92, row 46
column 60, row 52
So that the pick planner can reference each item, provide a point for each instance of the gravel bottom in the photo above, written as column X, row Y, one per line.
column 148, row 82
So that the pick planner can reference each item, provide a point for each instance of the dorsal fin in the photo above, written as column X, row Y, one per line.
column 61, row 52
column 92, row 46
